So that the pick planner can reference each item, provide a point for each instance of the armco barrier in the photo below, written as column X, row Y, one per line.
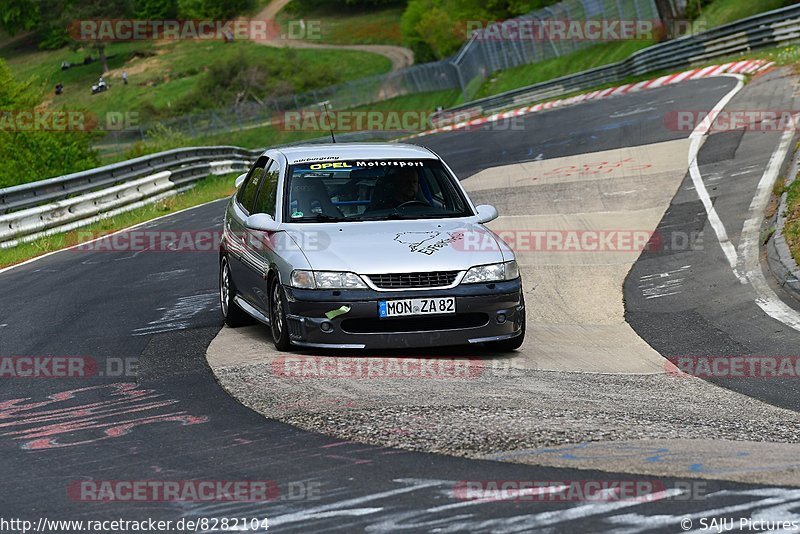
column 36, row 193
column 45, row 207
column 60, row 204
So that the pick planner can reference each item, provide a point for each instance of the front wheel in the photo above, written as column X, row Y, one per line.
column 277, row 317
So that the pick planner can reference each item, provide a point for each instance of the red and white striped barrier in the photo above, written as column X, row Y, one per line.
column 739, row 67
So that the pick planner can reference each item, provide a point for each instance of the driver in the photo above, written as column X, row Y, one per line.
column 405, row 185
column 402, row 187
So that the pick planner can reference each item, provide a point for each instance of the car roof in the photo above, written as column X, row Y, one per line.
column 344, row 151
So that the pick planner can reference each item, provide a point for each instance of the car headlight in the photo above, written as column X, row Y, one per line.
column 326, row 280
column 495, row 272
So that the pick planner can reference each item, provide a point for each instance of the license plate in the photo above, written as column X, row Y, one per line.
column 400, row 308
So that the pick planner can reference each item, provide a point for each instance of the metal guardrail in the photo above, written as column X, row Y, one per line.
column 781, row 26
column 36, row 209
column 63, row 203
column 36, row 193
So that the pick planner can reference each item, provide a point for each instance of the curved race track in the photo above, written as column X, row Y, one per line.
column 169, row 419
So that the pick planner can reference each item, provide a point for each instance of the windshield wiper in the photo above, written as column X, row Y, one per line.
column 318, row 217
column 387, row 217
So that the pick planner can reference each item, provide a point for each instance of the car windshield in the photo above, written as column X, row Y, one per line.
column 360, row 190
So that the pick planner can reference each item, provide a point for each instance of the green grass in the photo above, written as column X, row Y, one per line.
column 348, row 26
column 418, row 101
column 792, row 229
column 160, row 75
column 722, row 12
column 270, row 135
column 211, row 188
column 587, row 58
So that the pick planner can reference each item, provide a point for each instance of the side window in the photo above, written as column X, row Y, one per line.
column 249, row 190
column 269, row 191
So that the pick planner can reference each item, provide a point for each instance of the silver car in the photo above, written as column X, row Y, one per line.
column 376, row 246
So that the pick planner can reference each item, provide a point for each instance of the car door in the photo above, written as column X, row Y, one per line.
column 263, row 245
column 243, row 263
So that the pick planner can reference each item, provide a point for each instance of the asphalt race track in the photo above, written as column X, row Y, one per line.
column 167, row 418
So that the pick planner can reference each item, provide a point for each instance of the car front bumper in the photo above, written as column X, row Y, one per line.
column 484, row 312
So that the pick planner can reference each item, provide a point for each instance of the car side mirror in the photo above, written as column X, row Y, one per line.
column 486, row 213
column 239, row 180
column 262, row 222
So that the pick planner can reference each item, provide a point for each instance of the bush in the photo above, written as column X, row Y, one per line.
column 213, row 9
column 32, row 156
column 156, row 9
column 303, row 6
column 245, row 78
column 35, row 155
column 435, row 29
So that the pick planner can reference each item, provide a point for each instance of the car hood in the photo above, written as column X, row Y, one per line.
column 376, row 247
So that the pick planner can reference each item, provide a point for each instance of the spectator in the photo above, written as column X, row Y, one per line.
column 124, row 77
column 59, row 88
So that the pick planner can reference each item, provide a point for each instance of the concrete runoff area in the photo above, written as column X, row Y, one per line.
column 582, row 375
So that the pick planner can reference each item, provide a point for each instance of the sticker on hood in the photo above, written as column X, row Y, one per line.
column 427, row 242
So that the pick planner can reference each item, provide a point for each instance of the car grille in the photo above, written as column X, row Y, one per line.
column 409, row 280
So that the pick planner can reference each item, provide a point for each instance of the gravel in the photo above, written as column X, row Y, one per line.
column 522, row 410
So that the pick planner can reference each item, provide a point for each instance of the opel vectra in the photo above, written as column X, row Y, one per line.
column 366, row 246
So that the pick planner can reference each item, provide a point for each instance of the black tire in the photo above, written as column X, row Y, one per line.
column 511, row 344
column 231, row 312
column 277, row 317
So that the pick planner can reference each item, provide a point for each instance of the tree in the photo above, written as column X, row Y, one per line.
column 30, row 155
column 18, row 15
column 52, row 19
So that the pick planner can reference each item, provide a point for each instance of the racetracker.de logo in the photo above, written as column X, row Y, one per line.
column 319, row 367
column 197, row 241
column 742, row 366
column 110, row 30
column 540, row 30
column 34, row 120
column 527, row 240
column 173, row 490
column 383, row 120
column 66, row 367
column 754, row 120
column 558, row 491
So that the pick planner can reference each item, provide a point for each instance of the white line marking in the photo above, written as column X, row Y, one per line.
column 340, row 507
column 697, row 137
column 749, row 266
column 636, row 111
